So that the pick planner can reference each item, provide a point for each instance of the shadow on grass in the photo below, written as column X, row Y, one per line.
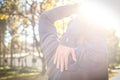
column 7, row 73
column 21, row 74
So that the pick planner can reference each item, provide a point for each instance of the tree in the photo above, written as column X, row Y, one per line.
column 113, row 48
column 21, row 15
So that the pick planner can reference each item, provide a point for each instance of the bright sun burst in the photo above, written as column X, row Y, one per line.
column 100, row 14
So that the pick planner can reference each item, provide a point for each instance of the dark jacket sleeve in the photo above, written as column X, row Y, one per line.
column 47, row 31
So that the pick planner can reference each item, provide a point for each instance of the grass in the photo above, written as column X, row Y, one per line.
column 111, row 74
column 7, row 73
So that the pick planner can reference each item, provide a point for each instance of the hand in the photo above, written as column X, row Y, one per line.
column 61, row 57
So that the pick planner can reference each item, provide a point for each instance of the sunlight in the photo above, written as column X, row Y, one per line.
column 99, row 14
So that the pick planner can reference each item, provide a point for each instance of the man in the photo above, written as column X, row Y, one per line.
column 80, row 54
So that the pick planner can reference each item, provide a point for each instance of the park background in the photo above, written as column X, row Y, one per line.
column 20, row 52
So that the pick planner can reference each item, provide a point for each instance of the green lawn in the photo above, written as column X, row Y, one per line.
column 8, row 73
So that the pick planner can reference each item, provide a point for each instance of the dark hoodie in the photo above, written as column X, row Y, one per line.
column 89, row 45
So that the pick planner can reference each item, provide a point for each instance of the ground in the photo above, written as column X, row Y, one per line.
column 18, row 73
column 8, row 73
column 112, row 74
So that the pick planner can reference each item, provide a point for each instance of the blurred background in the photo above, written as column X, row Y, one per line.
column 20, row 52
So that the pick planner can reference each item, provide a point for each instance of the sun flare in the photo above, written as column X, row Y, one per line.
column 99, row 14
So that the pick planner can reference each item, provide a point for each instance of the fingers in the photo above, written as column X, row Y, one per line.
column 58, row 62
column 62, row 64
column 73, row 55
column 55, row 59
column 66, row 63
column 61, row 57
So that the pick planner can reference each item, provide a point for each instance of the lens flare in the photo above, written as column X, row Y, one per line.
column 98, row 14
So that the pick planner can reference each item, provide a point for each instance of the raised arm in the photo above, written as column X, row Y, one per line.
column 61, row 12
column 47, row 31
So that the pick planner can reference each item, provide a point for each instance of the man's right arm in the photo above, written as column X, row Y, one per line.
column 47, row 30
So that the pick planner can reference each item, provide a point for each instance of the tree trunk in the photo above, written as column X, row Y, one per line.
column 43, row 66
column 11, row 54
column 0, row 48
column 4, row 54
column 2, row 39
column 39, row 51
